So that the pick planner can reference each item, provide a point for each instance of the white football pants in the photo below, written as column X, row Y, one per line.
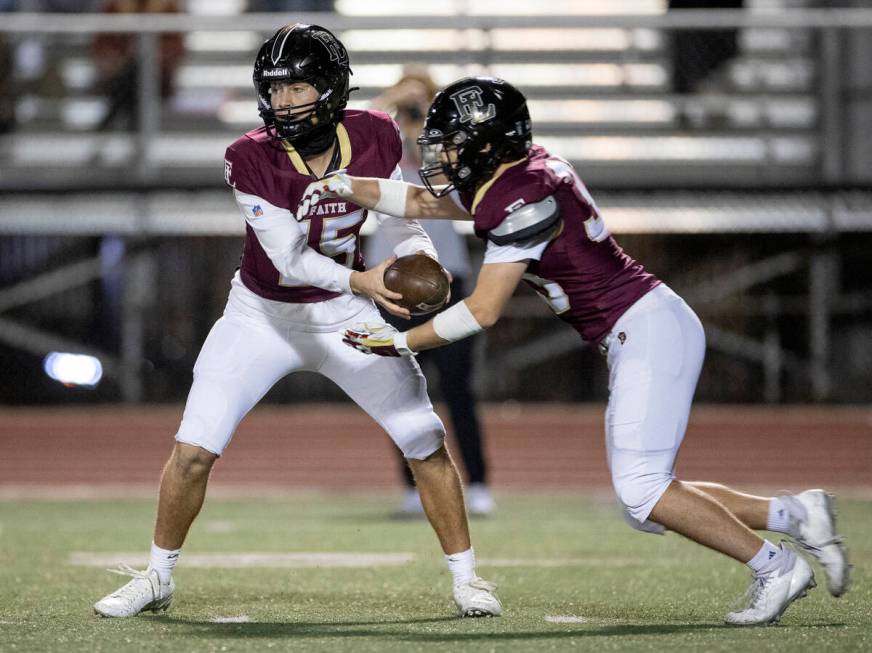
column 252, row 346
column 655, row 353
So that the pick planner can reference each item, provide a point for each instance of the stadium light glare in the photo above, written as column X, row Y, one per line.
column 73, row 369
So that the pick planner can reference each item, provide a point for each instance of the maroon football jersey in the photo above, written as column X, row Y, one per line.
column 369, row 146
column 583, row 274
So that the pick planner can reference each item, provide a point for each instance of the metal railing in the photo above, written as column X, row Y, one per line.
column 802, row 156
column 33, row 23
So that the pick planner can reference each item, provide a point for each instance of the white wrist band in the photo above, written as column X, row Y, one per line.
column 392, row 197
column 456, row 323
column 401, row 344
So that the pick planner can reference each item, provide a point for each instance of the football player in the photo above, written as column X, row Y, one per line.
column 542, row 226
column 299, row 281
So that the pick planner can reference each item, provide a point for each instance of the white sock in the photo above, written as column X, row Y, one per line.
column 163, row 560
column 462, row 566
column 779, row 516
column 781, row 509
column 767, row 558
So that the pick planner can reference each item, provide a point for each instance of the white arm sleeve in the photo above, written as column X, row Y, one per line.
column 403, row 236
column 284, row 241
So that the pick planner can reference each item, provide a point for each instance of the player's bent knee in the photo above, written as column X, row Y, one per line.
column 212, row 413
column 418, row 434
column 639, row 494
column 192, row 461
column 646, row 526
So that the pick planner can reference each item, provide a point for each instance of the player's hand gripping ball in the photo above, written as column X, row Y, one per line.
column 423, row 283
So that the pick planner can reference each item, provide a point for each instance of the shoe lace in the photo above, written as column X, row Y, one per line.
column 481, row 584
column 126, row 570
column 752, row 596
column 812, row 548
column 797, row 515
column 132, row 588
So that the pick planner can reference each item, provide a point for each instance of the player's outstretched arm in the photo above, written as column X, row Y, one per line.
column 482, row 309
column 390, row 196
column 403, row 236
column 495, row 285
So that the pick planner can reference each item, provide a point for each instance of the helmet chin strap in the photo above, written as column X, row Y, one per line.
column 316, row 140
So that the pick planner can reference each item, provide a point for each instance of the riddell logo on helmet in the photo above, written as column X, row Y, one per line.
column 276, row 72
column 470, row 105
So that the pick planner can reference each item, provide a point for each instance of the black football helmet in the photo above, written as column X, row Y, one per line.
column 473, row 125
column 307, row 53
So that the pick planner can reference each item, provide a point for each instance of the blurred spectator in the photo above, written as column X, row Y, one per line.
column 700, row 55
column 51, row 6
column 408, row 101
column 116, row 58
column 59, row 6
column 7, row 68
column 257, row 6
column 36, row 57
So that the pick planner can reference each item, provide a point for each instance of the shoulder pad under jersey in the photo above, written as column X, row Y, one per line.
column 526, row 222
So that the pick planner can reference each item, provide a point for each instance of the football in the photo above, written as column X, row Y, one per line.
column 423, row 283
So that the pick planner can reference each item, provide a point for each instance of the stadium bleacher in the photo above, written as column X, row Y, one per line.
column 601, row 95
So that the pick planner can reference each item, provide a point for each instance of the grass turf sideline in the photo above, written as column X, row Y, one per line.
column 665, row 594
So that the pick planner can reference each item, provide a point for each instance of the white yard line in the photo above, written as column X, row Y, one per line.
column 247, row 560
column 348, row 559
column 592, row 561
column 241, row 619
column 565, row 619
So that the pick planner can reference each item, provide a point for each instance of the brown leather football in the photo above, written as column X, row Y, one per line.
column 421, row 280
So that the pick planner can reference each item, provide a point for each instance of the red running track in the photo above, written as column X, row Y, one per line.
column 337, row 446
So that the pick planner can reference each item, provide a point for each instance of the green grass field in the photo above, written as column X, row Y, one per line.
column 552, row 556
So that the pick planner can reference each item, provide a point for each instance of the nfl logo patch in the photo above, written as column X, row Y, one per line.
column 257, row 211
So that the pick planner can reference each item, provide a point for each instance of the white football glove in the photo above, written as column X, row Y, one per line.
column 376, row 338
column 336, row 185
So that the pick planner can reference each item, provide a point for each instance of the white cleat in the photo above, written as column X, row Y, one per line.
column 479, row 500
column 144, row 592
column 477, row 598
column 771, row 593
column 816, row 534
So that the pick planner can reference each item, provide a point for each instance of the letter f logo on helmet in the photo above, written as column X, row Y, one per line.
column 470, row 105
column 485, row 121
column 334, row 48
